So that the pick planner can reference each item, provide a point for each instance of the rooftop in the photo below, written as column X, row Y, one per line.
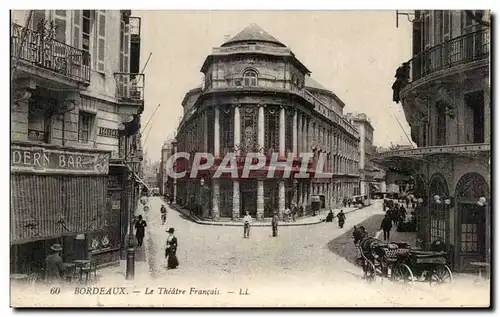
column 255, row 33
column 311, row 83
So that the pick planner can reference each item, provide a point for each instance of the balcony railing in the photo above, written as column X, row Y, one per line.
column 252, row 48
column 50, row 54
column 130, row 87
column 430, row 150
column 460, row 50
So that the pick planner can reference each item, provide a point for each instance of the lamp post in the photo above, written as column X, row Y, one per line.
column 126, row 129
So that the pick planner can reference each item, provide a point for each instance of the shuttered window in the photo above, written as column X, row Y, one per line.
column 60, row 17
column 77, row 30
column 101, row 40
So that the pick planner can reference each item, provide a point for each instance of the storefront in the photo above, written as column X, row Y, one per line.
column 58, row 195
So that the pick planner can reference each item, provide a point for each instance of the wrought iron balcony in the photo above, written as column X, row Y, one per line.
column 45, row 52
column 461, row 50
column 432, row 150
column 130, row 87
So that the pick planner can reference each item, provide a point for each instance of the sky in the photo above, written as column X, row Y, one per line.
column 353, row 53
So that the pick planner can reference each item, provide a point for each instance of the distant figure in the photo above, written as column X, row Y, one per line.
column 329, row 217
column 341, row 218
column 274, row 224
column 349, row 202
column 386, row 226
column 140, row 226
column 163, row 212
column 344, row 202
column 247, row 222
column 171, row 250
column 54, row 269
column 294, row 212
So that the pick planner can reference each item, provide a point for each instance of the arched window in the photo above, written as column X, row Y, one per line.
column 250, row 78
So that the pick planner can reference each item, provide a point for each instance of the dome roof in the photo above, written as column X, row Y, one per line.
column 311, row 83
column 255, row 33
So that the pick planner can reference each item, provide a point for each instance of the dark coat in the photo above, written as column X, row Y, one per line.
column 54, row 268
column 170, row 253
column 386, row 224
column 139, row 228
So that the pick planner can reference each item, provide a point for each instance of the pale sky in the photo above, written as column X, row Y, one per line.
column 353, row 53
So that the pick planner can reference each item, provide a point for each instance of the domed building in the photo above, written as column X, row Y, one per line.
column 258, row 97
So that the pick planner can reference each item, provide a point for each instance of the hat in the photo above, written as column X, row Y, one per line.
column 170, row 230
column 56, row 247
column 361, row 228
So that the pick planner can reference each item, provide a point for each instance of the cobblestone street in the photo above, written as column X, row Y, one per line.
column 304, row 264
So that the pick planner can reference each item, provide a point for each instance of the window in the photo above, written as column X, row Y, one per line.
column 60, row 25
column 101, row 40
column 472, row 222
column 250, row 78
column 427, row 30
column 475, row 104
column 440, row 124
column 85, row 124
column 86, row 31
column 39, row 119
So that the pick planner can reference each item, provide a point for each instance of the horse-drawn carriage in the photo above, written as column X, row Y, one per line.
column 399, row 263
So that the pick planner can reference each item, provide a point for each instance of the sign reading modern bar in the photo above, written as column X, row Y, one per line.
column 41, row 159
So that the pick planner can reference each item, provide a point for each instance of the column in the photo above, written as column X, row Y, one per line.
column 237, row 127
column 282, row 132
column 260, row 127
column 236, row 199
column 295, row 141
column 205, row 132
column 215, row 199
column 487, row 110
column 281, row 200
column 305, row 148
column 216, row 135
column 299, row 134
column 174, row 194
column 260, row 199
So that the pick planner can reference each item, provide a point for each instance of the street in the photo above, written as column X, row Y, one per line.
column 300, row 267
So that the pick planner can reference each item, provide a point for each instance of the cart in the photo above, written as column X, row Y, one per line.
column 399, row 263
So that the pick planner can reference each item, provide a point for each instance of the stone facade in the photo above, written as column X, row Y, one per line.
column 262, row 99
column 446, row 100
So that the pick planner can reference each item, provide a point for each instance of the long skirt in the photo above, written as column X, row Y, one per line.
column 171, row 257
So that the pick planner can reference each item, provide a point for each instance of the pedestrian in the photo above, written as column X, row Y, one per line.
column 54, row 268
column 341, row 218
column 344, row 202
column 294, row 212
column 287, row 214
column 274, row 224
column 163, row 212
column 140, row 226
column 349, row 202
column 329, row 217
column 386, row 226
column 247, row 222
column 171, row 250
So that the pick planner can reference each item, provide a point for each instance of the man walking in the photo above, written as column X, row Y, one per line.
column 247, row 221
column 54, row 268
column 140, row 226
column 274, row 223
column 386, row 226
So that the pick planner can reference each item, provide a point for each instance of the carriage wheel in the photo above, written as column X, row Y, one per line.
column 441, row 274
column 402, row 273
column 370, row 271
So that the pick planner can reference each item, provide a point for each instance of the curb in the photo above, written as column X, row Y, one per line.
column 255, row 224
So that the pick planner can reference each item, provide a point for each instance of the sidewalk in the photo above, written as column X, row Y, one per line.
column 311, row 220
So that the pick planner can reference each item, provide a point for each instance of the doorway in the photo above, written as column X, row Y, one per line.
column 474, row 102
column 248, row 198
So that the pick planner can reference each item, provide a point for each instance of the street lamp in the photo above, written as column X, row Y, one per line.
column 127, row 128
